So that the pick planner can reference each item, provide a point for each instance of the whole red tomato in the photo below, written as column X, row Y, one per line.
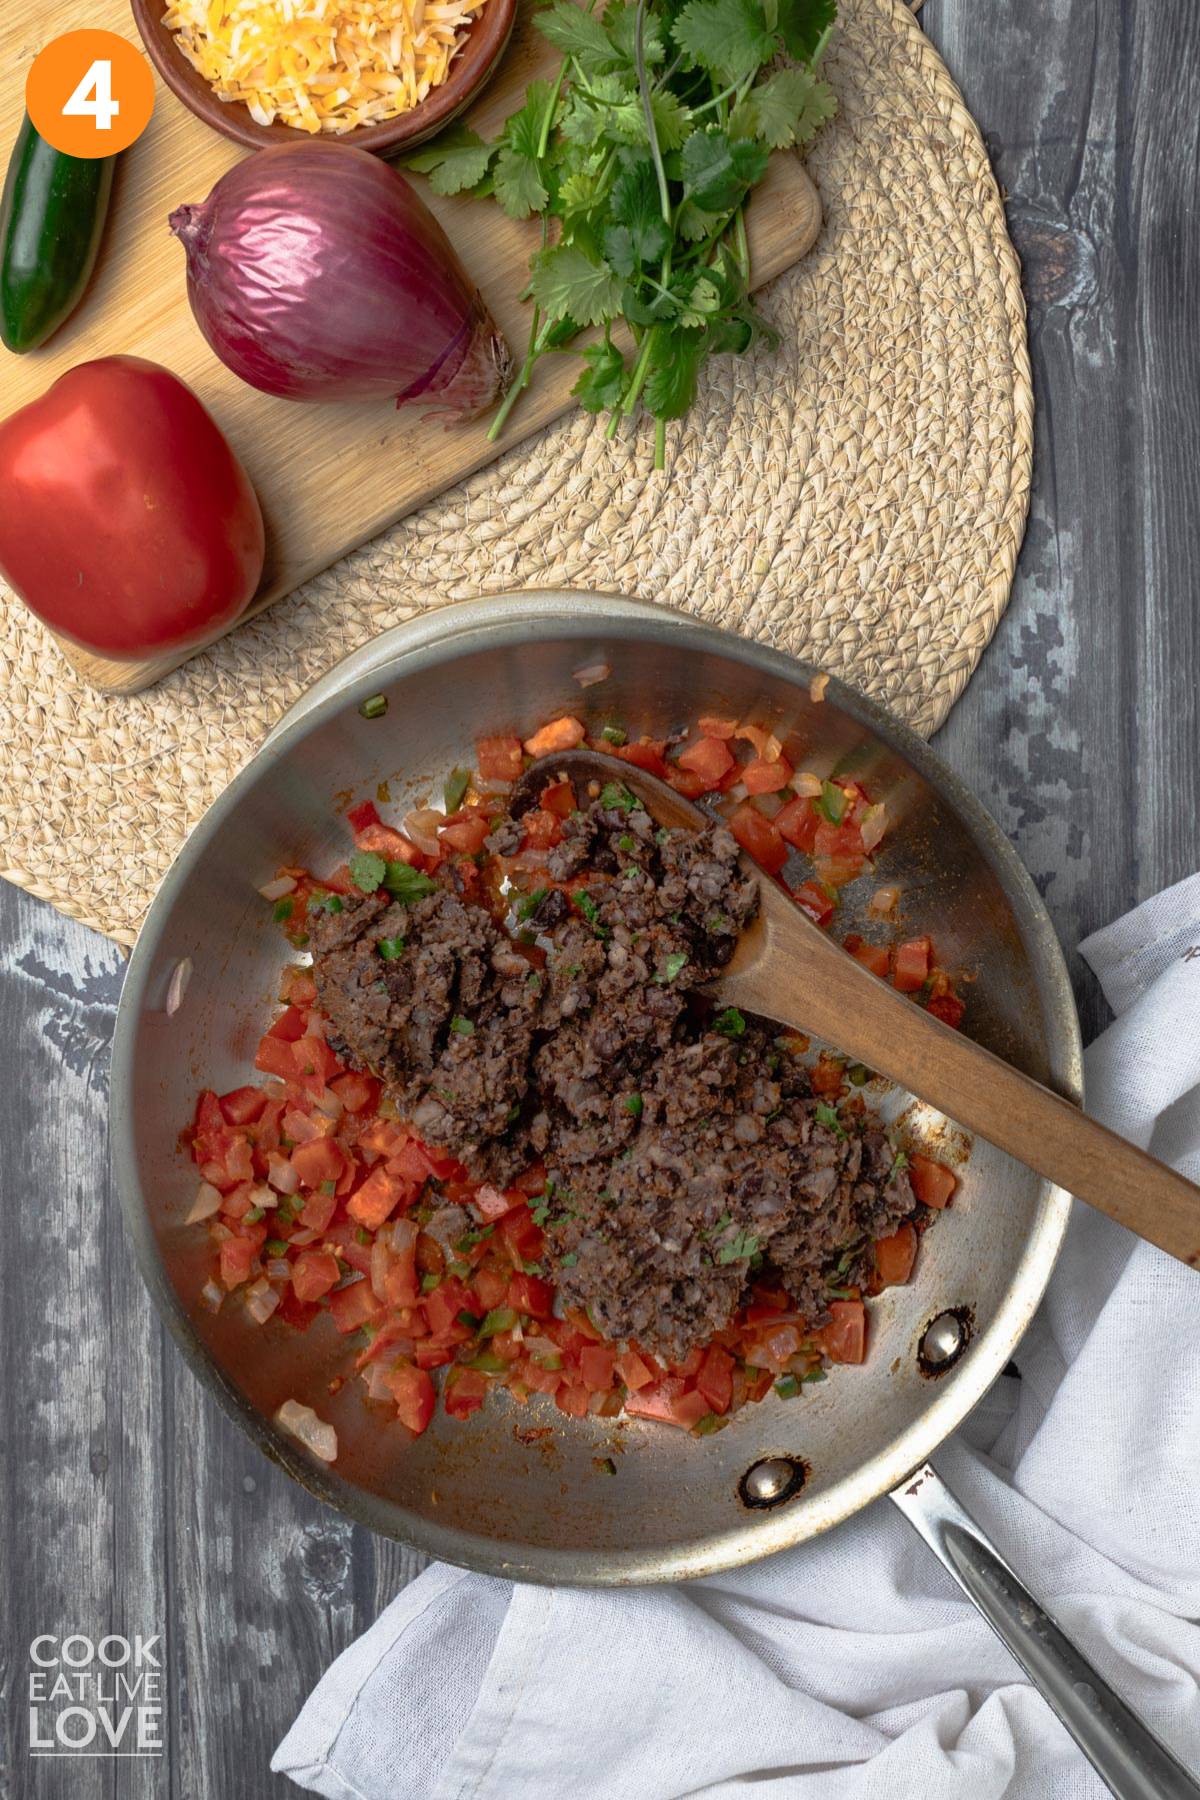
column 126, row 521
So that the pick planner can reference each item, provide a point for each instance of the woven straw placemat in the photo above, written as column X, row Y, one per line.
column 857, row 496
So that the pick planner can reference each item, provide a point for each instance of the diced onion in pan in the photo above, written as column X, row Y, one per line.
column 275, row 890
column 311, row 1431
column 261, row 1300
column 206, row 1203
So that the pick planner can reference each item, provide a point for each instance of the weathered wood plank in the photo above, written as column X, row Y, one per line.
column 1080, row 729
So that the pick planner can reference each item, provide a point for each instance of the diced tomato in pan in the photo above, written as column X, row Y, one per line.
column 714, row 1378
column 542, row 829
column 686, row 783
column 499, row 758
column 237, row 1257
column 243, row 1105
column 360, row 818
column 319, row 1161
column 465, row 836
column 314, row 1272
column 443, row 1306
column 895, row 1255
column 413, row 1393
column 392, row 845
column 559, row 798
column 520, row 1236
column 530, row 1295
column 875, row 957
column 596, row 1366
column 559, row 734
column 492, row 1286
column 318, row 1210
column 646, row 754
column 464, row 1393
column 633, row 1371
column 812, row 899
column 763, row 777
column 274, row 1057
column 709, row 758
column 932, row 1182
column 354, row 1306
column 357, row 1093
column 758, row 837
column 669, row 1402
column 844, row 1339
column 378, row 1197
column 797, row 822
column 910, row 965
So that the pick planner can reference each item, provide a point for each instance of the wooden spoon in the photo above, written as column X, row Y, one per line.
column 786, row 968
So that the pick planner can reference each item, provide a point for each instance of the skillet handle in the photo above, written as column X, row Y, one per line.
column 1124, row 1752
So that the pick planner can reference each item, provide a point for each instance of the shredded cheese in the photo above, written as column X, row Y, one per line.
column 322, row 65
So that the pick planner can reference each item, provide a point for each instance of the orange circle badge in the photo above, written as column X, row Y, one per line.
column 89, row 93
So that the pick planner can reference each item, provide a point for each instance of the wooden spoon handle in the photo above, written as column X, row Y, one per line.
column 809, row 983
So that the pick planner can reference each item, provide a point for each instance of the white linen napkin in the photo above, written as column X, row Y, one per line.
column 852, row 1668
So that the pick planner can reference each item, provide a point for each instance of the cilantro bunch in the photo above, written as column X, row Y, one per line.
column 638, row 159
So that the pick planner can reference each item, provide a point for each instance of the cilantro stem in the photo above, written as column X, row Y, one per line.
column 639, row 52
column 537, row 343
column 660, row 443
column 551, row 109
column 717, row 99
column 640, row 370
column 741, row 243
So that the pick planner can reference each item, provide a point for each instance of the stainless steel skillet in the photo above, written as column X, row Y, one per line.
column 490, row 1495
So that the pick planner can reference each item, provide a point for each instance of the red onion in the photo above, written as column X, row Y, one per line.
column 316, row 273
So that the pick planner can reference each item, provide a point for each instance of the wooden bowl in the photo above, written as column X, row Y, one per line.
column 471, row 67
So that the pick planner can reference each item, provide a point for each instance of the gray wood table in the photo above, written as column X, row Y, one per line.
column 128, row 1502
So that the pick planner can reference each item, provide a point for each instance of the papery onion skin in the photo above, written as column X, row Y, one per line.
column 317, row 273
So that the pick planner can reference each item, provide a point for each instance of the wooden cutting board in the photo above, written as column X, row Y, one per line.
column 328, row 477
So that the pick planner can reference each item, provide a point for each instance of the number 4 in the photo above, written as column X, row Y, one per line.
column 101, row 106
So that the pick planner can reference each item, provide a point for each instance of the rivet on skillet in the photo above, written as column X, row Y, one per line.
column 772, row 1481
column 943, row 1340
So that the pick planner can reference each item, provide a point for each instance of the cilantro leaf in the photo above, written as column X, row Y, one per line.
column 672, row 119
column 694, row 224
column 578, row 34
column 518, row 186
column 742, row 1244
column 566, row 281
column 803, row 24
column 828, row 1116
column 718, row 172
column 789, row 107
column 406, row 884
column 675, row 366
column 620, row 22
column 459, row 159
column 367, row 871
column 729, row 38
column 517, row 176
column 602, row 383
column 639, row 233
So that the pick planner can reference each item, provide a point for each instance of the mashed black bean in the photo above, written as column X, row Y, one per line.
column 685, row 1154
